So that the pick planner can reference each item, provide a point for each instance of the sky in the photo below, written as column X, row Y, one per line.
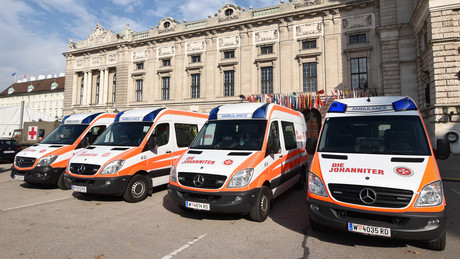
column 35, row 33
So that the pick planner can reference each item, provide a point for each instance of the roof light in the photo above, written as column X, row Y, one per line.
column 151, row 116
column 404, row 105
column 261, row 112
column 90, row 118
column 213, row 113
column 337, row 107
column 65, row 118
column 117, row 118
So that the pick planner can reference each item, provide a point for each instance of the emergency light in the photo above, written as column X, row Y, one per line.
column 117, row 118
column 151, row 116
column 90, row 118
column 213, row 113
column 404, row 105
column 65, row 118
column 337, row 107
column 260, row 112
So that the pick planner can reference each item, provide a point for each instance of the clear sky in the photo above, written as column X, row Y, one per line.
column 35, row 33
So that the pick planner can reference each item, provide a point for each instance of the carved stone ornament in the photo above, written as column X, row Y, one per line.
column 357, row 21
column 266, row 35
column 308, row 29
column 112, row 58
column 98, row 35
column 72, row 45
column 166, row 51
column 79, row 63
column 228, row 41
column 306, row 3
column 140, row 54
column 195, row 46
column 95, row 61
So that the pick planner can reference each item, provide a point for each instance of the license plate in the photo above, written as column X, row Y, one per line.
column 369, row 230
column 197, row 205
column 77, row 188
column 19, row 177
column 8, row 151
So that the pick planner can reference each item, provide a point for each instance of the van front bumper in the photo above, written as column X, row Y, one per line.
column 226, row 202
column 38, row 175
column 409, row 226
column 100, row 185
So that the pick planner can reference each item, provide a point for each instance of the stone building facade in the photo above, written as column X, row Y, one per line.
column 323, row 47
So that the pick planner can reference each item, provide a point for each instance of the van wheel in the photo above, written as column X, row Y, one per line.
column 62, row 183
column 261, row 209
column 137, row 189
column 438, row 244
column 302, row 180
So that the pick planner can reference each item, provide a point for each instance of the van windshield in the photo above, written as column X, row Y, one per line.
column 124, row 134
column 402, row 135
column 231, row 134
column 65, row 134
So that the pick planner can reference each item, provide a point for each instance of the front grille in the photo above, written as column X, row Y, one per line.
column 385, row 197
column 83, row 169
column 21, row 161
column 210, row 181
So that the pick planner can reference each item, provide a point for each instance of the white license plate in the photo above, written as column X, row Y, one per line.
column 8, row 151
column 19, row 177
column 197, row 205
column 369, row 230
column 77, row 188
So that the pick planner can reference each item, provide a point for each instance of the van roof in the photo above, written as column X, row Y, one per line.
column 239, row 111
column 144, row 114
column 376, row 104
column 80, row 118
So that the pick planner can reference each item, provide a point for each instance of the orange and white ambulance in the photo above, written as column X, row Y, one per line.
column 45, row 162
column 135, row 153
column 374, row 172
column 245, row 154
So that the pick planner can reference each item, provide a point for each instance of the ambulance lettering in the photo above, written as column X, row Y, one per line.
column 86, row 154
column 339, row 168
column 190, row 160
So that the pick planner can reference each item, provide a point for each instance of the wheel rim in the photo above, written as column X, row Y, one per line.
column 138, row 189
column 264, row 204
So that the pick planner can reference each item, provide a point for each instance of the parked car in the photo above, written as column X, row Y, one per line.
column 8, row 149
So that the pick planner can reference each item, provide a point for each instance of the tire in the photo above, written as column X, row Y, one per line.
column 261, row 208
column 438, row 244
column 302, row 180
column 61, row 182
column 137, row 189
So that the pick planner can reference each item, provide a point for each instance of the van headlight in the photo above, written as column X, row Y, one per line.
column 112, row 167
column 315, row 185
column 241, row 178
column 172, row 174
column 431, row 195
column 46, row 160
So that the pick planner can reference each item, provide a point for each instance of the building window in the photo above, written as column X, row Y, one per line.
column 166, row 24
column 98, row 87
column 82, row 90
column 139, row 86
column 165, row 87
column 228, row 12
column 267, row 80
column 196, row 58
column 195, row 86
column 166, row 62
column 309, row 44
column 229, row 54
column 357, row 38
column 358, row 73
column 114, row 87
column 427, row 95
column 266, row 50
column 229, row 83
column 310, row 77
column 140, row 66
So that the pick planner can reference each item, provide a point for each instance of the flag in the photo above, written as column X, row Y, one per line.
column 13, row 74
column 25, row 76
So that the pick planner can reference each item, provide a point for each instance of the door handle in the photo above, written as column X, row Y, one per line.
column 168, row 152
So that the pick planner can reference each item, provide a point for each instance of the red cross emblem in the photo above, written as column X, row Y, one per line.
column 32, row 133
column 228, row 162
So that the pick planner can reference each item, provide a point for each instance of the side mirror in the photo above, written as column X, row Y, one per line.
column 443, row 149
column 311, row 146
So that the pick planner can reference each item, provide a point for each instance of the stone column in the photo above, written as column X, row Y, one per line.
column 89, row 87
column 85, row 87
column 106, row 86
column 101, row 86
column 74, row 89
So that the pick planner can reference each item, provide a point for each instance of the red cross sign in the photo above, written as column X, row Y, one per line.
column 32, row 135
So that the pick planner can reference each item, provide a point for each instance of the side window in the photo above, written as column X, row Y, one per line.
column 289, row 135
column 161, row 134
column 95, row 132
column 185, row 133
column 273, row 139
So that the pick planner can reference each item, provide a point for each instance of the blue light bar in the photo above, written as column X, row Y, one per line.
column 65, row 118
column 261, row 112
column 404, row 105
column 90, row 118
column 337, row 107
column 213, row 113
column 117, row 118
column 151, row 116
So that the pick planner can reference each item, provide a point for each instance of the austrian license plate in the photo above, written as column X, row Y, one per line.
column 8, row 151
column 197, row 205
column 77, row 188
column 369, row 230
column 19, row 177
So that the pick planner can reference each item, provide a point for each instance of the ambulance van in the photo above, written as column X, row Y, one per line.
column 45, row 162
column 245, row 155
column 374, row 172
column 135, row 153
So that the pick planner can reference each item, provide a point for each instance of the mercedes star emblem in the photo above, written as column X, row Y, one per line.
column 81, row 169
column 368, row 196
column 198, row 180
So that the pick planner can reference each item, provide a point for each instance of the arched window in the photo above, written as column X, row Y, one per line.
column 228, row 12
column 114, row 87
column 82, row 90
column 98, row 84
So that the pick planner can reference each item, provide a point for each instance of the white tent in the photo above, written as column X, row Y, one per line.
column 10, row 119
